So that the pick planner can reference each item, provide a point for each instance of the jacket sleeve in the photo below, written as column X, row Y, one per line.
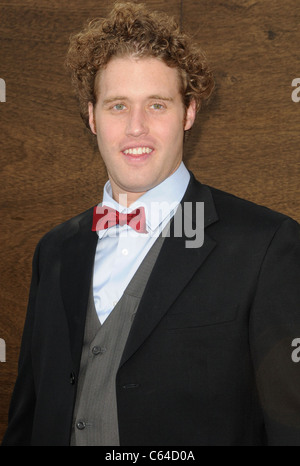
column 274, row 334
column 22, row 404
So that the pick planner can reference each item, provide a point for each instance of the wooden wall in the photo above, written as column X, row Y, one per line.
column 246, row 142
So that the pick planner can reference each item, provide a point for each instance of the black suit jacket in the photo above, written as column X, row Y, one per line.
column 209, row 356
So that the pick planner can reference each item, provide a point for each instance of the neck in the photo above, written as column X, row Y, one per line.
column 125, row 198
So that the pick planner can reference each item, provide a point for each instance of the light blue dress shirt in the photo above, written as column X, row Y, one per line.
column 120, row 249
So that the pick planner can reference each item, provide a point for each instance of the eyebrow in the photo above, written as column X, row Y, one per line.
column 112, row 99
column 160, row 97
column 151, row 97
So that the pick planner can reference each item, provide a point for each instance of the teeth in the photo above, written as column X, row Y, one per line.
column 138, row 151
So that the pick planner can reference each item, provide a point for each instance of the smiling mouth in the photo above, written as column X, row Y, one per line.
column 138, row 151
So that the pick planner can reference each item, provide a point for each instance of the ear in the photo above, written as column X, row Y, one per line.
column 190, row 115
column 92, row 118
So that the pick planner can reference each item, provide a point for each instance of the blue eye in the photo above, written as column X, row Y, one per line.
column 157, row 106
column 119, row 106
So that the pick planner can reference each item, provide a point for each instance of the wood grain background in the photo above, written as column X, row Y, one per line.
column 246, row 141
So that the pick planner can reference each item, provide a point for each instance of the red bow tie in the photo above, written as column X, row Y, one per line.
column 105, row 217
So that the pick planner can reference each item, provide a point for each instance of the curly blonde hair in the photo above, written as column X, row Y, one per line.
column 132, row 30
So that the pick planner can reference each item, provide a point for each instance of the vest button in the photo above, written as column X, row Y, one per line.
column 98, row 350
column 80, row 425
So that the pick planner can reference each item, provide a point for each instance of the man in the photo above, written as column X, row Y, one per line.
column 134, row 337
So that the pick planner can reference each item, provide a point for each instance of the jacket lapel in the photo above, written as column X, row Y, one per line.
column 78, row 254
column 165, row 283
column 174, row 268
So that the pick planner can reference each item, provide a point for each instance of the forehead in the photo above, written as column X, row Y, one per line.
column 137, row 77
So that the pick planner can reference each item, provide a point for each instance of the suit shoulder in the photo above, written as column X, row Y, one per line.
column 62, row 231
column 235, row 210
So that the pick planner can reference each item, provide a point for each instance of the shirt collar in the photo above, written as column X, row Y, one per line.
column 159, row 202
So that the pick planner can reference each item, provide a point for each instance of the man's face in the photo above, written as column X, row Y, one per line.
column 139, row 120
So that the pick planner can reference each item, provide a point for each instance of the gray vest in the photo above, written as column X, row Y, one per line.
column 95, row 421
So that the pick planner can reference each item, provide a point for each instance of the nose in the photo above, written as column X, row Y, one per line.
column 136, row 123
